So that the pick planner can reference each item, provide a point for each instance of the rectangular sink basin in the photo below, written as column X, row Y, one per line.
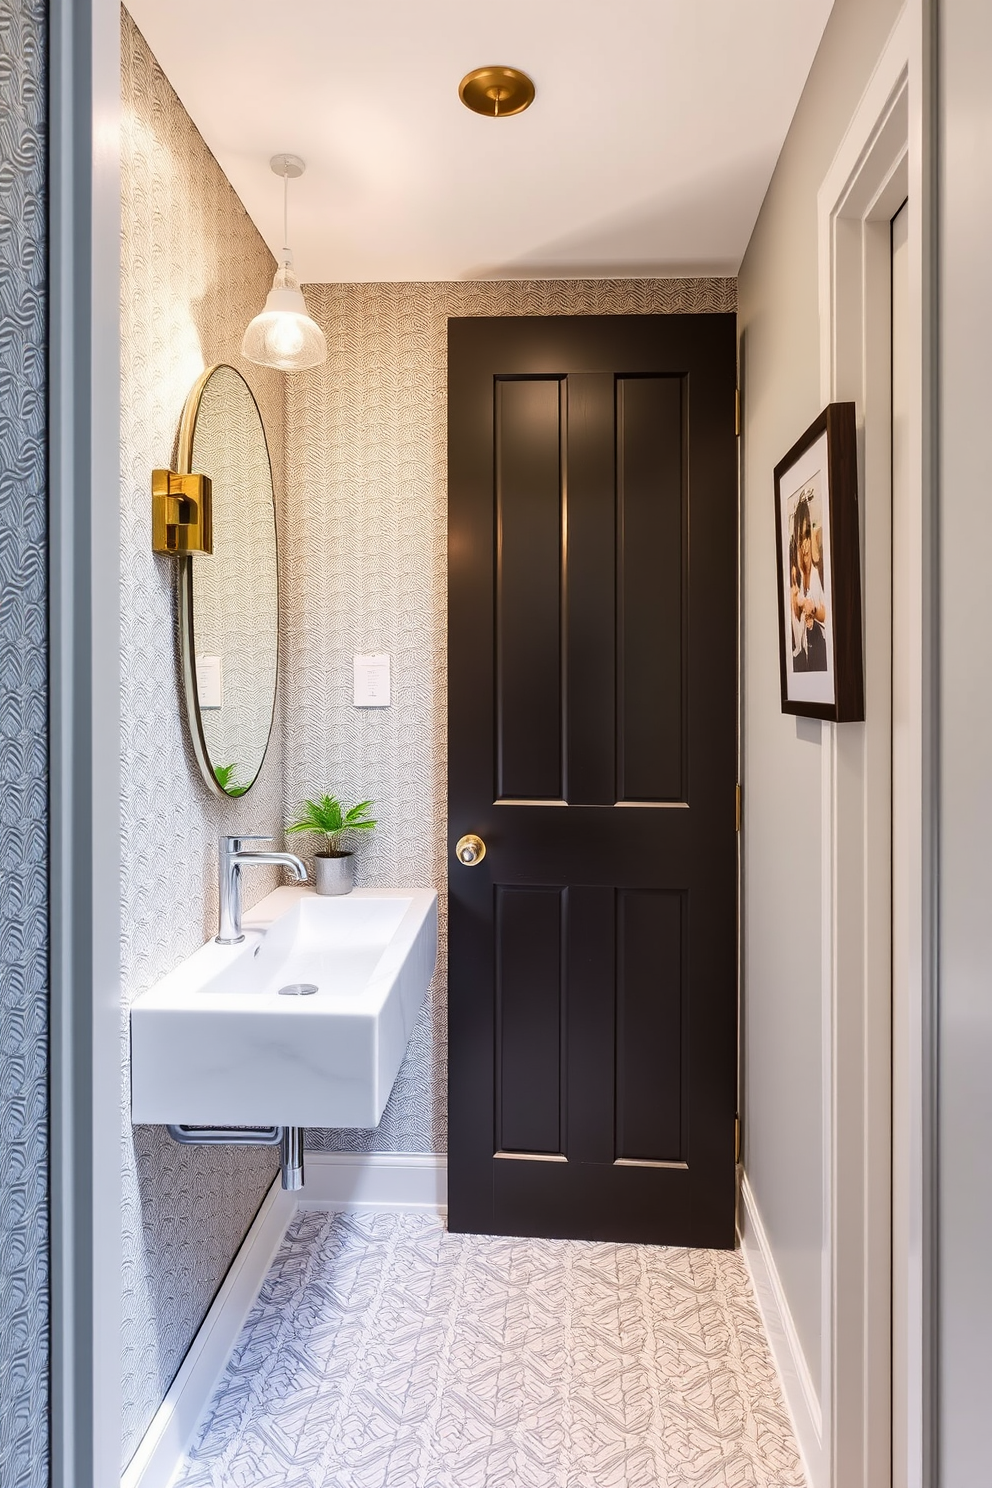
column 303, row 1024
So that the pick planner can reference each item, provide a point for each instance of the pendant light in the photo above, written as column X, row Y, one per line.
column 284, row 336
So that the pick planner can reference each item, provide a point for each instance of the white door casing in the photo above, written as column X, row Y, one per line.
column 876, row 927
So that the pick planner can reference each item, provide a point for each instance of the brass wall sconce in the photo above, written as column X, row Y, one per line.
column 181, row 513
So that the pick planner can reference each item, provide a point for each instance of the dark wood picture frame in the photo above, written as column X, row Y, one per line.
column 817, row 558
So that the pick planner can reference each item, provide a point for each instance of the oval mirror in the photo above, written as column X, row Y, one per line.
column 230, row 599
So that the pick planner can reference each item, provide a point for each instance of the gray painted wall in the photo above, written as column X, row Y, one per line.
column 23, row 751
column 780, row 330
column 965, row 797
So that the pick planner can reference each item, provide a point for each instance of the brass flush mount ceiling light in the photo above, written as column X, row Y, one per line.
column 284, row 335
column 496, row 92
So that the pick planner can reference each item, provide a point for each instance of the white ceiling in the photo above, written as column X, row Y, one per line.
column 648, row 149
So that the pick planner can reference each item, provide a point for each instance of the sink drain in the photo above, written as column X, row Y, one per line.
column 298, row 989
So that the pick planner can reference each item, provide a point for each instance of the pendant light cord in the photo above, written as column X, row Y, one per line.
column 285, row 213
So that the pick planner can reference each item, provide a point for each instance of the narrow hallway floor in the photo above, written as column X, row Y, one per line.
column 383, row 1352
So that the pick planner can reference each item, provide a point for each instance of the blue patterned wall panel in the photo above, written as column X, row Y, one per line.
column 23, row 753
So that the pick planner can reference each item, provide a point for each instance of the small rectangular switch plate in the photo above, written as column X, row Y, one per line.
column 209, row 682
column 372, row 681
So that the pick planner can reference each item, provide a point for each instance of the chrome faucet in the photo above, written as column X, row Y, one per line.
column 230, row 860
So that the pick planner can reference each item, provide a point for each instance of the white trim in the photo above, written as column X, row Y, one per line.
column 376, row 1180
column 164, row 1444
column 875, row 923
column 344, row 1181
column 84, row 739
column 783, row 1338
column 852, row 183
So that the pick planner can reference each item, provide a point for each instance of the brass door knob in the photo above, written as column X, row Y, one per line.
column 470, row 850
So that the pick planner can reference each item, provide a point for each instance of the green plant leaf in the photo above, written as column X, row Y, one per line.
column 225, row 778
column 329, row 819
column 358, row 817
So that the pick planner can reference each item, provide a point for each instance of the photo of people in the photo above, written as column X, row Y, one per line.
column 807, row 596
column 805, row 580
column 819, row 573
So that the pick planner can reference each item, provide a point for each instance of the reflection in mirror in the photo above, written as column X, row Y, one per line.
column 230, row 599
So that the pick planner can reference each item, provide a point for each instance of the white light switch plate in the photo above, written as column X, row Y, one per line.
column 210, row 682
column 372, row 681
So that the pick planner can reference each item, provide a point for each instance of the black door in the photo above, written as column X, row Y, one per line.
column 592, row 747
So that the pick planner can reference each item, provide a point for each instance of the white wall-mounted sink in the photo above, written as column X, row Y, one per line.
column 219, row 1042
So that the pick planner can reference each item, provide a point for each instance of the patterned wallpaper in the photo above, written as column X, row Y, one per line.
column 194, row 271
column 364, row 542
column 23, row 751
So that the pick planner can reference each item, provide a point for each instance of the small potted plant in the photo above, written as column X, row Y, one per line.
column 334, row 866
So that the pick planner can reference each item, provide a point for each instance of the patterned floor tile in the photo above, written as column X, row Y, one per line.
column 385, row 1353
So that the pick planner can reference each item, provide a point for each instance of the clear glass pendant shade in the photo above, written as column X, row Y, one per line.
column 284, row 336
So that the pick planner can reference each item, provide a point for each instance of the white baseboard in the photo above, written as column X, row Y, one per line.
column 797, row 1382
column 164, row 1443
column 375, row 1180
column 334, row 1180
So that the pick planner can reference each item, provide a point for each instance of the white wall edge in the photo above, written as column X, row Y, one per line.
column 376, row 1180
column 787, row 1352
column 888, row 81
column 345, row 1181
column 164, row 1444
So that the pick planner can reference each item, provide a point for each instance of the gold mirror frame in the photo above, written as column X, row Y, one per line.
column 187, row 629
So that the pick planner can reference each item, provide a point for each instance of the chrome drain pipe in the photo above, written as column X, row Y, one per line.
column 289, row 1140
column 292, row 1157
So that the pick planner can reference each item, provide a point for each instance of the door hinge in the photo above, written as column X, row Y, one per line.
column 737, row 1139
column 739, row 807
column 737, row 412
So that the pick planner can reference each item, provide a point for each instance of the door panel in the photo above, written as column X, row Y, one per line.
column 650, row 619
column 528, row 1019
column 590, row 666
column 649, row 1052
column 528, row 596
column 592, row 744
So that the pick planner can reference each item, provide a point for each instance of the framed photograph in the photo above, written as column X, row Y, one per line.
column 819, row 571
